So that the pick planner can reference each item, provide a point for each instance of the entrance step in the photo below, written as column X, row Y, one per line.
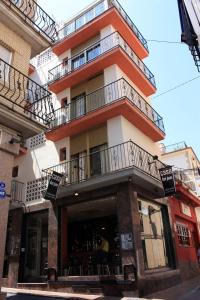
column 33, row 286
column 104, row 286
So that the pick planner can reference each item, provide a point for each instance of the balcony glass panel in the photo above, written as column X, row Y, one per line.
column 94, row 12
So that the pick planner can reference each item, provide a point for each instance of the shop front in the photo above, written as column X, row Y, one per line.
column 90, row 243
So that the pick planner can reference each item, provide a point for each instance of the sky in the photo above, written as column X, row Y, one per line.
column 171, row 63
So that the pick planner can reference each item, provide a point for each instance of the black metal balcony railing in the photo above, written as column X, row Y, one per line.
column 102, row 97
column 28, row 97
column 17, row 189
column 96, row 50
column 187, row 179
column 35, row 16
column 173, row 147
column 92, row 13
column 107, row 161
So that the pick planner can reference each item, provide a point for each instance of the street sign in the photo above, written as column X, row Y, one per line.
column 167, row 178
column 2, row 185
column 2, row 194
column 53, row 185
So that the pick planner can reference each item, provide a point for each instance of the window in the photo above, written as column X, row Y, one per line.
column 5, row 60
column 93, row 52
column 78, row 61
column 99, row 9
column 64, row 102
column 15, row 171
column 183, row 235
column 63, row 154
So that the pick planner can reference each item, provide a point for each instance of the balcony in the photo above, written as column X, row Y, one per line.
column 174, row 147
column 23, row 101
column 117, row 98
column 109, row 166
column 29, row 20
column 92, row 20
column 94, row 59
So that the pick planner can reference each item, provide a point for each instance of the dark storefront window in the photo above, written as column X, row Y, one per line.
column 93, row 247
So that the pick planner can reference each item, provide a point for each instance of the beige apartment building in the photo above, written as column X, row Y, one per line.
column 103, row 139
column 25, row 30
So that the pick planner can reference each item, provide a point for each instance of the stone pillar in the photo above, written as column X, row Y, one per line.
column 53, row 237
column 6, row 165
column 14, row 259
column 129, row 222
column 64, row 238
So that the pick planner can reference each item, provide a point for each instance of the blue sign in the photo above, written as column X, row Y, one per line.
column 2, row 185
column 2, row 194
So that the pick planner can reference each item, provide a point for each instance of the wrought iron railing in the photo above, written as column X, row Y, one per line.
column 35, row 16
column 102, row 97
column 96, row 50
column 187, row 178
column 107, row 161
column 17, row 191
column 24, row 95
column 173, row 147
column 92, row 13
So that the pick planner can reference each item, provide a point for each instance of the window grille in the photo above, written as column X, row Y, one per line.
column 35, row 189
column 37, row 140
column 44, row 57
column 183, row 235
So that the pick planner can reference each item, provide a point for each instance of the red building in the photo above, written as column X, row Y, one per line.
column 185, row 228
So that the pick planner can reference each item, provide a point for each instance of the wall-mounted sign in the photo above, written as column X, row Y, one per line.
column 167, row 178
column 2, row 194
column 127, row 241
column 186, row 209
column 2, row 190
column 2, row 185
column 53, row 185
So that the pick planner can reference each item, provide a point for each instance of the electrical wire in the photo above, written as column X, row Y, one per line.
column 167, row 42
column 176, row 87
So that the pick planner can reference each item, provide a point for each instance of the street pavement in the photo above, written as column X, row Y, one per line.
column 27, row 297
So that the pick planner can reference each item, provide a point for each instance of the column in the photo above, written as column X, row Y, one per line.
column 53, row 237
column 15, row 237
column 129, row 223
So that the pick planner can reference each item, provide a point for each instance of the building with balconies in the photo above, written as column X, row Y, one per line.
column 25, row 106
column 185, row 205
column 102, row 138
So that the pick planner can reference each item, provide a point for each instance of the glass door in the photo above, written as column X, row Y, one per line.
column 36, row 246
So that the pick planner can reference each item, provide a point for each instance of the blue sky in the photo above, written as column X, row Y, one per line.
column 171, row 64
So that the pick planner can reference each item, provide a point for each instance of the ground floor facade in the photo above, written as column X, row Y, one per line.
column 67, row 235
column 185, row 229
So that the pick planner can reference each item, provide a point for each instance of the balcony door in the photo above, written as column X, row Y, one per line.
column 36, row 245
column 99, row 160
column 78, row 106
column 78, row 167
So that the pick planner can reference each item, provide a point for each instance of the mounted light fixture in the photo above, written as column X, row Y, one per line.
column 155, row 157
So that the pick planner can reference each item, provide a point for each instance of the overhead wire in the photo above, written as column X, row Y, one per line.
column 176, row 87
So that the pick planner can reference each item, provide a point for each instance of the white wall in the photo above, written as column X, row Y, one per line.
column 120, row 130
column 42, row 157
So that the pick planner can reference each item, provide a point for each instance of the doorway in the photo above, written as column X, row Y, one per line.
column 36, row 246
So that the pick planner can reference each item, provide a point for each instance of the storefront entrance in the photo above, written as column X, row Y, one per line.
column 36, row 246
column 92, row 245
